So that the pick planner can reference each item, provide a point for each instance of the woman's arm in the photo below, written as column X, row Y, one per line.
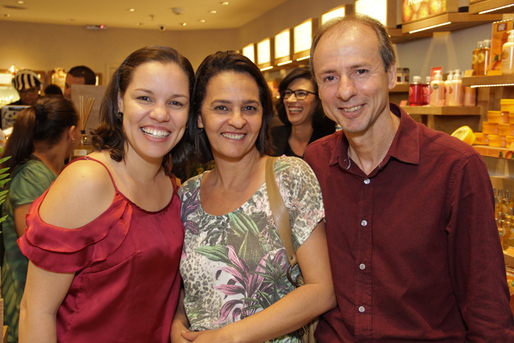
column 180, row 322
column 44, row 293
column 20, row 213
column 294, row 310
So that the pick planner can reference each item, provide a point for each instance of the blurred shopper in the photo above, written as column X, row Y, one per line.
column 28, row 85
column 104, row 242
column 234, row 264
column 79, row 75
column 300, row 110
column 52, row 90
column 43, row 136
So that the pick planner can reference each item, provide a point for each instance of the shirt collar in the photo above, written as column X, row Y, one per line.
column 405, row 145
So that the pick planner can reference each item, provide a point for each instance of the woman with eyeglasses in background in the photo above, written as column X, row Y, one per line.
column 301, row 112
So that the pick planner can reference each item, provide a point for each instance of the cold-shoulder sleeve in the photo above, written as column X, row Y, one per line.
column 69, row 250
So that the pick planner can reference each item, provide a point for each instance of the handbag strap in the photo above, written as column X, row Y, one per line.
column 279, row 211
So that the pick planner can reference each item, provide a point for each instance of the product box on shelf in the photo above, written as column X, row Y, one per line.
column 499, row 37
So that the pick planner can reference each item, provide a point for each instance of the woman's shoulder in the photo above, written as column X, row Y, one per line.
column 291, row 164
column 190, row 185
column 84, row 184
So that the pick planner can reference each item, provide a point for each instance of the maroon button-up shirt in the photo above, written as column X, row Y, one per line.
column 415, row 252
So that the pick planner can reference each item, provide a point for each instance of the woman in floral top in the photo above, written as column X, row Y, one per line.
column 234, row 263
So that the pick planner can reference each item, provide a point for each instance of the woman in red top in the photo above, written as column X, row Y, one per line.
column 104, row 242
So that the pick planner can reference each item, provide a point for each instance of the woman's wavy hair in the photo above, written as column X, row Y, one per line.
column 212, row 65
column 45, row 122
column 109, row 135
column 318, row 119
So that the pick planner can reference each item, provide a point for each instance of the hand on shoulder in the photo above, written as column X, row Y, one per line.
column 81, row 193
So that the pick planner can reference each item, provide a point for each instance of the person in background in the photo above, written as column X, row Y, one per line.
column 79, row 75
column 300, row 110
column 413, row 244
column 43, row 136
column 104, row 242
column 234, row 264
column 52, row 90
column 28, row 85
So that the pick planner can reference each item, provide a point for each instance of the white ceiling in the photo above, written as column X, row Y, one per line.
column 150, row 14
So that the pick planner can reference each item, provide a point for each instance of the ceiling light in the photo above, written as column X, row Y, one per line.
column 183, row 24
column 131, row 9
column 139, row 24
column 20, row 2
column 7, row 15
column 224, row 3
column 201, row 20
column 213, row 11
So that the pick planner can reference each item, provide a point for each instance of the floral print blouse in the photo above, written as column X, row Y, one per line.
column 234, row 265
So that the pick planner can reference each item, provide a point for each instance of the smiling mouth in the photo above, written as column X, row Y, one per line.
column 234, row 136
column 295, row 110
column 155, row 133
column 352, row 109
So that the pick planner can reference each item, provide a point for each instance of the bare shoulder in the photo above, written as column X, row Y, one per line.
column 81, row 193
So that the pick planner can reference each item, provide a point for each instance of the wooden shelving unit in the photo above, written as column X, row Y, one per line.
column 457, row 21
column 492, row 4
column 443, row 110
column 488, row 151
column 489, row 81
column 400, row 88
column 508, row 256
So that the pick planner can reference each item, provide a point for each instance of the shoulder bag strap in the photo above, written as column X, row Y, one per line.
column 279, row 211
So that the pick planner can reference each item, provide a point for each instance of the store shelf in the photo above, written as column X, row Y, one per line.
column 487, row 5
column 443, row 110
column 489, row 81
column 400, row 88
column 488, row 151
column 397, row 36
column 457, row 21
column 508, row 256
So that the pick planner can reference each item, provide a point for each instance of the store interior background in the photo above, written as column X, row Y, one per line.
column 49, row 46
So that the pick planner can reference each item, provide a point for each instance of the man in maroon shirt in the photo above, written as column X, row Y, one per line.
column 415, row 252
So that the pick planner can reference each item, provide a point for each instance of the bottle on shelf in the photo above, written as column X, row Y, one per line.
column 437, row 90
column 506, row 224
column 457, row 97
column 416, row 92
column 426, row 91
column 508, row 55
column 475, row 58
column 448, row 88
column 484, row 57
column 507, row 203
column 498, row 203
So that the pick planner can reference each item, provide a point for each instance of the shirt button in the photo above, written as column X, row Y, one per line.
column 364, row 223
column 361, row 309
column 362, row 266
column 367, row 181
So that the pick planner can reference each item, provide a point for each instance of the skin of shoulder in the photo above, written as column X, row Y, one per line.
column 81, row 193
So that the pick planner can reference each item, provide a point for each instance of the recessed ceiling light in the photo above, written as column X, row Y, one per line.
column 202, row 20
column 131, row 10
column 20, row 2
column 213, row 11
column 224, row 3
column 139, row 24
column 183, row 24
column 7, row 15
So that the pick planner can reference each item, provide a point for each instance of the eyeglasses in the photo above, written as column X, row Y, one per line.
column 300, row 94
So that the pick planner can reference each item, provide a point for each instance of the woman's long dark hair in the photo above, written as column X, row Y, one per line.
column 109, row 135
column 44, row 122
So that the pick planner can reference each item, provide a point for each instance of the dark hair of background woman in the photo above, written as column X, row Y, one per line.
column 319, row 120
column 44, row 122
column 109, row 135
column 212, row 65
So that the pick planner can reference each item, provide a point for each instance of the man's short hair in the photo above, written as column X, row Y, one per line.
column 83, row 71
column 385, row 44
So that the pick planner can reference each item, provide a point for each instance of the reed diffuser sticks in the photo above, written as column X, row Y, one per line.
column 85, row 106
